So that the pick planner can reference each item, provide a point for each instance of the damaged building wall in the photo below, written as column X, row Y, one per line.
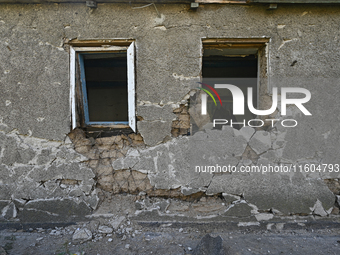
column 43, row 180
column 41, row 160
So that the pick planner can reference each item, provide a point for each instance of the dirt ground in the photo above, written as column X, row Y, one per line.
column 166, row 239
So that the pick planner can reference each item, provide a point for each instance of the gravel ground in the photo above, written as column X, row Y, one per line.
column 166, row 239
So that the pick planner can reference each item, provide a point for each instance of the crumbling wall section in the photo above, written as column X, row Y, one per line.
column 180, row 177
column 183, row 164
column 43, row 180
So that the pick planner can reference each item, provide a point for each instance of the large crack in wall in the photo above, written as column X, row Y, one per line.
column 173, row 174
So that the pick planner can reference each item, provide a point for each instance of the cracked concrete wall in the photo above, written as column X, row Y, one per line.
column 172, row 165
column 39, row 163
column 41, row 179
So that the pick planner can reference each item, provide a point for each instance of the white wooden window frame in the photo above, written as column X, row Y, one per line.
column 130, row 53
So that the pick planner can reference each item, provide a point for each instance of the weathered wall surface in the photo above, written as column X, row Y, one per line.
column 44, row 180
column 40, row 164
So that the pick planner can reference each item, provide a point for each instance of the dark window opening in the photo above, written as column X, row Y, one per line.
column 104, row 79
column 238, row 67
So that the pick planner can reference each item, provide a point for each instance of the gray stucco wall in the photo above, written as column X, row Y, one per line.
column 35, row 110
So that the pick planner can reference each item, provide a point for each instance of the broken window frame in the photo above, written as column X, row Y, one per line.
column 78, row 92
